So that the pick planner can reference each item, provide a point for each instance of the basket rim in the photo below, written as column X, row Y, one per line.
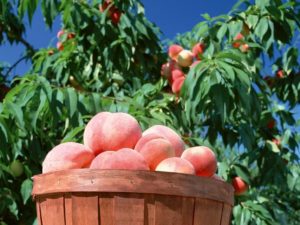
column 132, row 181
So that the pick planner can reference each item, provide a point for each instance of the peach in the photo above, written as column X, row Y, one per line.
column 125, row 158
column 69, row 155
column 174, row 50
column 244, row 48
column 198, row 50
column 144, row 139
column 185, row 58
column 168, row 68
column 60, row 46
column 176, row 165
column 280, row 74
column 60, row 33
column 115, row 16
column 240, row 186
column 177, row 73
column 169, row 135
column 111, row 131
column 239, row 36
column 203, row 159
column 155, row 150
column 177, row 84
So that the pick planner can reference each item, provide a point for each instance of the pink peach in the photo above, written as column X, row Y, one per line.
column 111, row 132
column 125, row 158
column 174, row 50
column 176, row 165
column 203, row 159
column 177, row 84
column 198, row 50
column 155, row 150
column 69, row 155
column 168, row 134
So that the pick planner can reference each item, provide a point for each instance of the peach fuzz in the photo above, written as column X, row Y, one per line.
column 185, row 58
column 111, row 131
column 174, row 50
column 69, row 155
column 177, row 84
column 203, row 159
column 155, row 150
column 123, row 159
column 176, row 165
column 169, row 135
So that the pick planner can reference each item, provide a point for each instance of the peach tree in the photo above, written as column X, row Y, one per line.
column 240, row 99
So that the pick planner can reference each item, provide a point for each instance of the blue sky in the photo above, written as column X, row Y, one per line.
column 171, row 16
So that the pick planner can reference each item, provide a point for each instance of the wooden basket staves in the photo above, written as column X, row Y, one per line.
column 124, row 197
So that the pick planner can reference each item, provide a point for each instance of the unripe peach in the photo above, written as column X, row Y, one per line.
column 185, row 58
column 126, row 159
column 111, row 132
column 240, row 186
column 69, row 155
column 50, row 52
column 174, row 50
column 177, row 84
column 203, row 159
column 198, row 50
column 176, row 165
column 156, row 150
column 168, row 134
column 16, row 168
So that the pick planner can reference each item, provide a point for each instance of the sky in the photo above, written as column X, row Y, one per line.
column 171, row 16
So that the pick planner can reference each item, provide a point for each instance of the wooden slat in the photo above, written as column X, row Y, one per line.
column 128, row 209
column 187, row 212
column 85, row 209
column 38, row 212
column 207, row 212
column 106, row 205
column 168, row 210
column 68, row 209
column 226, row 215
column 93, row 180
column 149, row 210
column 52, row 210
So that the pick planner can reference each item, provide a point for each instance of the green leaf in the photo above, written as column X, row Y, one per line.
column 16, row 112
column 222, row 32
column 71, row 100
column 261, row 28
column 252, row 21
column 26, row 189
column 272, row 146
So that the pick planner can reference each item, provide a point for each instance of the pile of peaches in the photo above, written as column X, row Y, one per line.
column 116, row 141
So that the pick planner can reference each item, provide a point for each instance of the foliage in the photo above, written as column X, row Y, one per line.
column 227, row 101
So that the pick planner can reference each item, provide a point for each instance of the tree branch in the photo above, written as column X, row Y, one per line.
column 14, row 65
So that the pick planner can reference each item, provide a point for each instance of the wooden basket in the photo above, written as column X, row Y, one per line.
column 124, row 197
